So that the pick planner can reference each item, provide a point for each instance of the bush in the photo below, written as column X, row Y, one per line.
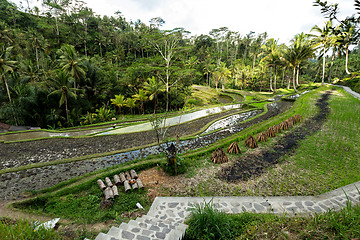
column 179, row 167
column 206, row 222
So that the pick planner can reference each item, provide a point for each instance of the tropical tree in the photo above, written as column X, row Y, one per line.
column 130, row 103
column 300, row 50
column 324, row 39
column 119, row 101
column 62, row 84
column 141, row 96
column 272, row 59
column 349, row 34
column 71, row 63
column 6, row 65
column 222, row 73
column 154, row 88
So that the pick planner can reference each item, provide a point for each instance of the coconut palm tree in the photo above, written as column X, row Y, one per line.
column 71, row 63
column 301, row 49
column 154, row 88
column 272, row 59
column 222, row 73
column 6, row 66
column 62, row 84
column 141, row 96
column 324, row 39
column 349, row 34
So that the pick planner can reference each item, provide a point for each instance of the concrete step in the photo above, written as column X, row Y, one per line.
column 142, row 231
column 159, row 226
column 160, row 223
column 172, row 214
column 104, row 236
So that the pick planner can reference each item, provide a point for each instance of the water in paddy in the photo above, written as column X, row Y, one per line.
column 173, row 120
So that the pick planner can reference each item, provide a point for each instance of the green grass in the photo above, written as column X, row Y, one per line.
column 24, row 230
column 208, row 223
column 326, row 160
column 80, row 200
column 84, row 206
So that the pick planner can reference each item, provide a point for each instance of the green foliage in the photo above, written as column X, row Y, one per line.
column 84, row 206
column 174, row 167
column 24, row 230
column 206, row 222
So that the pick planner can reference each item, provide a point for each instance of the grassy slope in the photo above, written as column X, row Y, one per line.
column 326, row 160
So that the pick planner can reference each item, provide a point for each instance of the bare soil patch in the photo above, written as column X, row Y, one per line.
column 256, row 163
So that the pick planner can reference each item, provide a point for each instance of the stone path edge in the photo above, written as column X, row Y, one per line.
column 341, row 195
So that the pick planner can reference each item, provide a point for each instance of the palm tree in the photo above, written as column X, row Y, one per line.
column 300, row 50
column 6, row 66
column 130, row 103
column 222, row 73
column 349, row 33
column 324, row 38
column 71, row 63
column 272, row 59
column 141, row 96
column 119, row 101
column 38, row 42
column 153, row 88
column 62, row 85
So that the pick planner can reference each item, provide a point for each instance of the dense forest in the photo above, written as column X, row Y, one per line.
column 66, row 66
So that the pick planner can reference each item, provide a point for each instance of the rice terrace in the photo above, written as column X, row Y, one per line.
column 112, row 129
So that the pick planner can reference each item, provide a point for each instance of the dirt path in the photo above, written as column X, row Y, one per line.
column 256, row 163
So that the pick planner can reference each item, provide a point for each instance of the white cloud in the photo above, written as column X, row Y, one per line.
column 279, row 18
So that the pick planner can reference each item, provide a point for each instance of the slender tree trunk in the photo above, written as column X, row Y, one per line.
column 294, row 79
column 275, row 80
column 347, row 61
column 323, row 74
column 331, row 67
column 66, row 110
column 271, row 87
column 57, row 27
column 297, row 75
column 283, row 77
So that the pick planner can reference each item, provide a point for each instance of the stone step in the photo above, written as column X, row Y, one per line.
column 104, row 236
column 159, row 222
column 159, row 225
column 142, row 231
column 171, row 214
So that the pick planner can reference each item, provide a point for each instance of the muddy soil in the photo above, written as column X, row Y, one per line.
column 13, row 184
column 24, row 153
column 256, row 163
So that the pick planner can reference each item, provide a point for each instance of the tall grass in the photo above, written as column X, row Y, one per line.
column 208, row 223
column 24, row 230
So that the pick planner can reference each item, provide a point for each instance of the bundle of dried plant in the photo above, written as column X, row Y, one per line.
column 261, row 137
column 251, row 142
column 270, row 132
column 234, row 148
column 284, row 125
column 276, row 128
column 218, row 156
column 298, row 118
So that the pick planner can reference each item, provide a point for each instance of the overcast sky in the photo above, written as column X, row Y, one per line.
column 281, row 19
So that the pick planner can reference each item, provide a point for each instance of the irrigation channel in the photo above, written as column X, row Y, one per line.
column 13, row 184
